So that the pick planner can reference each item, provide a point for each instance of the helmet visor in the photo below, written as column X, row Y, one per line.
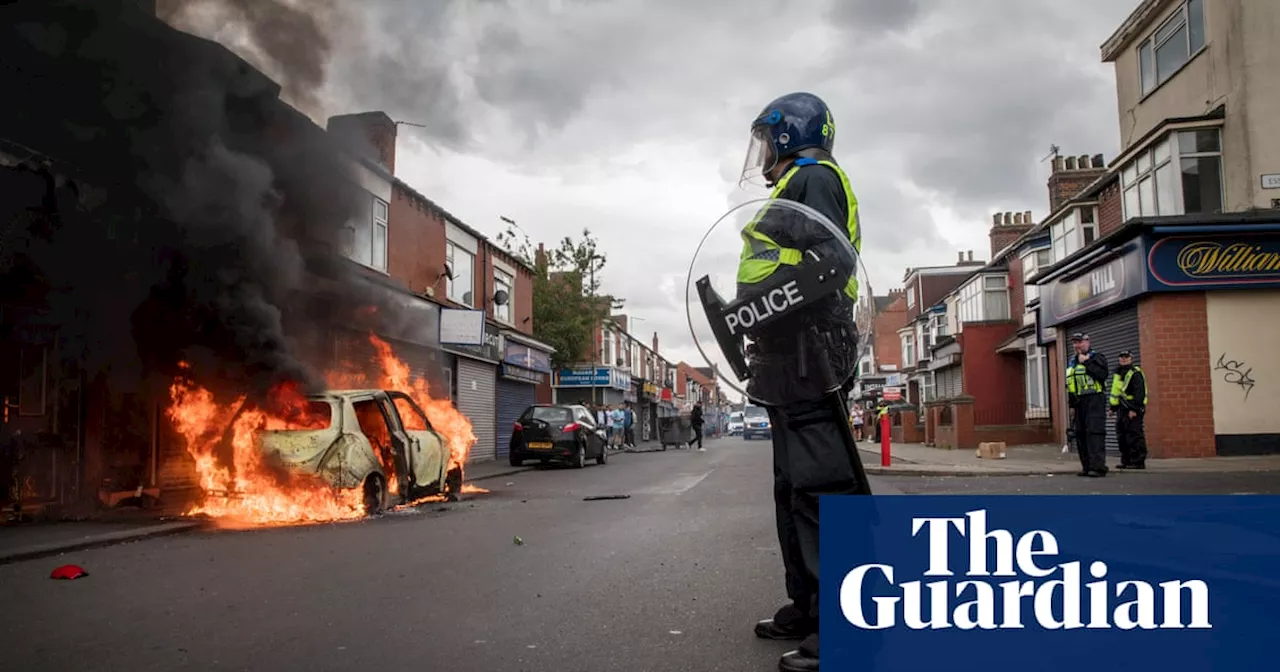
column 760, row 158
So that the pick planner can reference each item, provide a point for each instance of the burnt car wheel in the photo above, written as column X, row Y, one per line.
column 375, row 495
column 453, row 484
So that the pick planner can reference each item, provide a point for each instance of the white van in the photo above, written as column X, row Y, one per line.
column 735, row 423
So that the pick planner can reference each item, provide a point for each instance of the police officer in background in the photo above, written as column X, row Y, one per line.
column 1086, row 376
column 1129, row 403
column 791, row 143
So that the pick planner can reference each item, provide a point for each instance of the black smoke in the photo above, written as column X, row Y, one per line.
column 184, row 200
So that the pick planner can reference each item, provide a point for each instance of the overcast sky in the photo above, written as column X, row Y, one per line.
column 630, row 117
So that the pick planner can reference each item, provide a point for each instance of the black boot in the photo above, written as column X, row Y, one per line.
column 788, row 623
column 803, row 659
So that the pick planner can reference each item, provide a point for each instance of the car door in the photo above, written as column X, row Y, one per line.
column 594, row 434
column 380, row 425
column 428, row 453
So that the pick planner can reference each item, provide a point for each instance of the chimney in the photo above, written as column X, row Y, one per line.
column 970, row 255
column 1071, row 175
column 655, row 343
column 1003, row 234
column 960, row 257
column 369, row 134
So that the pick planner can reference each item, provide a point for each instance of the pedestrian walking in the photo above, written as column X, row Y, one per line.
column 629, row 432
column 1086, row 375
column 1129, row 404
column 857, row 424
column 695, row 419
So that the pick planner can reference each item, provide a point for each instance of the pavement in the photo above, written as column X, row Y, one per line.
column 678, row 572
column 914, row 459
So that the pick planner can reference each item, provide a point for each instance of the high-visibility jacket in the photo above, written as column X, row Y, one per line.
column 1079, row 382
column 1120, row 387
column 762, row 256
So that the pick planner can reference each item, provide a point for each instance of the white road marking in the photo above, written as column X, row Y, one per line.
column 677, row 486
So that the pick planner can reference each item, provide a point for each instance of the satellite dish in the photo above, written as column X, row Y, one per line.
column 501, row 297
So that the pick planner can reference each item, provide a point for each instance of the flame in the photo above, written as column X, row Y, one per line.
column 245, row 490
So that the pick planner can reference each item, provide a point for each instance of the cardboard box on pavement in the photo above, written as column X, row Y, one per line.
column 991, row 450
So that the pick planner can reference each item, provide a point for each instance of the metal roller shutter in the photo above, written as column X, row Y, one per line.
column 476, row 396
column 513, row 398
column 1109, row 334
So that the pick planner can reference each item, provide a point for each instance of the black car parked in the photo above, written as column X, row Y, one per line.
column 558, row 433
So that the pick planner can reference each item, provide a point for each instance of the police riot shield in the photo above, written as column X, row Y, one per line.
column 779, row 303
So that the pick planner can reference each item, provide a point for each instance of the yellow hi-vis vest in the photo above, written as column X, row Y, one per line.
column 1120, row 387
column 1080, row 382
column 762, row 256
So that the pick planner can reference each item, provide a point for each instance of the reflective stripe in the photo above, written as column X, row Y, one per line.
column 1120, row 387
column 761, row 255
column 1080, row 382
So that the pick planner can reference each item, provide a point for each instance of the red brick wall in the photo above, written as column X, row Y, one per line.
column 415, row 244
column 1065, row 185
column 1017, row 295
column 1057, row 365
column 1110, row 210
column 934, row 287
column 523, row 305
column 1175, row 356
column 995, row 381
column 887, row 323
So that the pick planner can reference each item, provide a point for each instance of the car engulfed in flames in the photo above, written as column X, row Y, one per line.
column 341, row 454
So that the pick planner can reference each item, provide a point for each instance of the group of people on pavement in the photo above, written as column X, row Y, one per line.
column 1094, row 393
column 619, row 422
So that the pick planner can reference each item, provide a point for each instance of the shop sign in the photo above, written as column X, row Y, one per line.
column 1246, row 260
column 600, row 376
column 1120, row 277
column 526, row 357
column 490, row 349
column 522, row 374
column 651, row 390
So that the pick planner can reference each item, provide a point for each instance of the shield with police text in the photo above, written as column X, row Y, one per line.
column 779, row 303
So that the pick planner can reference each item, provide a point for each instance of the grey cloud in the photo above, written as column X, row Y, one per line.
column 870, row 16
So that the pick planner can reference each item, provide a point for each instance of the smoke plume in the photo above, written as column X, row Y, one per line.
column 196, row 199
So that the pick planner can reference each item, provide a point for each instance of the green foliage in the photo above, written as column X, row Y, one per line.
column 567, row 304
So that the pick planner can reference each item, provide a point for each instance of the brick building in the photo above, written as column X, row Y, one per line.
column 1186, row 262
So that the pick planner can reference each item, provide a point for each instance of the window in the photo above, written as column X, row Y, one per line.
column 911, row 297
column 1036, row 381
column 908, row 350
column 866, row 368
column 1171, row 46
column 1032, row 262
column 1066, row 236
column 1088, row 225
column 462, row 264
column 1182, row 174
column 606, row 347
column 502, row 281
column 984, row 299
column 365, row 237
column 927, row 389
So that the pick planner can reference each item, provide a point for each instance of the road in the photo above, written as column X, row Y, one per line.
column 673, row 577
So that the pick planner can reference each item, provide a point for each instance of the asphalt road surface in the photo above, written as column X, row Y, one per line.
column 672, row 578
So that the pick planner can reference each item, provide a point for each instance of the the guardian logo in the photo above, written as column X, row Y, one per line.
column 1050, row 595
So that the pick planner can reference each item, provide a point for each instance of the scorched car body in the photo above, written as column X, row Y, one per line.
column 365, row 431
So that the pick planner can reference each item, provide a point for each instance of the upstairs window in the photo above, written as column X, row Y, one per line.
column 1171, row 46
column 1181, row 174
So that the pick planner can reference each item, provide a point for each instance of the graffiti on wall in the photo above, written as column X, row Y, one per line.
column 1235, row 373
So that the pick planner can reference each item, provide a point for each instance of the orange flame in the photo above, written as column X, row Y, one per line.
column 248, row 491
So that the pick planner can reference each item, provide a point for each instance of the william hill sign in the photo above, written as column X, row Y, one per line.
column 1190, row 262
column 1113, row 280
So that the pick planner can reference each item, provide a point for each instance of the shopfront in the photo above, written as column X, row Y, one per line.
column 647, row 409
column 475, row 374
column 581, row 385
column 525, row 364
column 1191, row 300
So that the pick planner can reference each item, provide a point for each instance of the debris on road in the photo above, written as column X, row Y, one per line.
column 597, row 498
column 518, row 541
column 68, row 572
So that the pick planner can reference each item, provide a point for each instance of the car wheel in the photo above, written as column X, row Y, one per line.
column 580, row 456
column 604, row 455
column 453, row 485
column 375, row 495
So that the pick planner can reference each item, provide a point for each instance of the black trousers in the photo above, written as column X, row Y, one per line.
column 809, row 459
column 1132, row 437
column 1091, row 431
column 697, row 436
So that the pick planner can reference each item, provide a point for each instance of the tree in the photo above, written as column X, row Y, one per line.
column 567, row 304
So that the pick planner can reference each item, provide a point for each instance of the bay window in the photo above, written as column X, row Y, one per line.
column 1181, row 174
column 985, row 298
column 1037, row 386
column 1033, row 261
column 908, row 350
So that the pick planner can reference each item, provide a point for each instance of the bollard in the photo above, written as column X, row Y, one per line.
column 884, row 440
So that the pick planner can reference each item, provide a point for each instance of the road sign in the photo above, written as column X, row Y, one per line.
column 892, row 393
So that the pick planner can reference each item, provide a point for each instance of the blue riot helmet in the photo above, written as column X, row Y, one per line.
column 794, row 122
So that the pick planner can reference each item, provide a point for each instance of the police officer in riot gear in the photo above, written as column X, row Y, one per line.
column 1129, row 404
column 791, row 143
column 1086, row 377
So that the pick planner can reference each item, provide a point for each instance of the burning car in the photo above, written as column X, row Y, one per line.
column 377, row 441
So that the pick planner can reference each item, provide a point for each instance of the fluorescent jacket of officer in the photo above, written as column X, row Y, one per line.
column 1129, row 388
column 1088, row 377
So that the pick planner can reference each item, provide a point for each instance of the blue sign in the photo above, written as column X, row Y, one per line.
column 1239, row 261
column 1049, row 583
column 1119, row 277
column 524, row 356
column 601, row 376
